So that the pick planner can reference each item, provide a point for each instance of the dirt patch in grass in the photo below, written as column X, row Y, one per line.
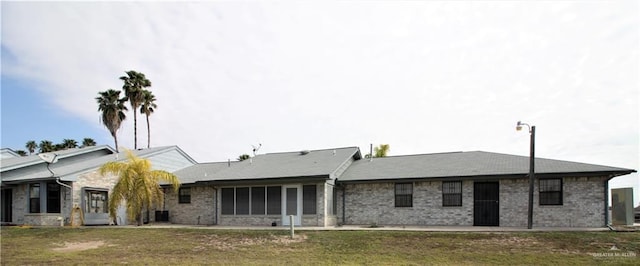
column 79, row 246
column 226, row 242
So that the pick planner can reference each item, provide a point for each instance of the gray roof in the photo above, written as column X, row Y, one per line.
column 8, row 153
column 69, row 171
column 19, row 162
column 465, row 164
column 315, row 163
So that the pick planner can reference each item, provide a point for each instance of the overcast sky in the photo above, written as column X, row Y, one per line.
column 423, row 77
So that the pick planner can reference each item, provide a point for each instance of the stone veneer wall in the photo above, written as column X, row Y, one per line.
column 373, row 203
column 200, row 211
column 20, row 209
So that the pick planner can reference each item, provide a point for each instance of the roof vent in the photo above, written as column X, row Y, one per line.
column 304, row 152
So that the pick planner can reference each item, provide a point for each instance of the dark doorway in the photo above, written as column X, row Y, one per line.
column 486, row 211
column 7, row 204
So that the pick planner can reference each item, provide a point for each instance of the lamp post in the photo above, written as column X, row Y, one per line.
column 532, row 131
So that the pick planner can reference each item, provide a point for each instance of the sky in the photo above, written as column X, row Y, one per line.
column 421, row 76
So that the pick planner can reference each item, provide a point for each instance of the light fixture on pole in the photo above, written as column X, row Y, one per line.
column 532, row 131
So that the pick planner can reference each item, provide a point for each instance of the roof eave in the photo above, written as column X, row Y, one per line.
column 609, row 174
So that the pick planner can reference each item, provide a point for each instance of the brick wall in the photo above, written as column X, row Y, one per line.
column 374, row 203
column 200, row 211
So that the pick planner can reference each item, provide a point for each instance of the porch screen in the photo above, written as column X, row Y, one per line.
column 227, row 201
column 257, row 200
column 274, row 200
column 309, row 199
column 242, row 200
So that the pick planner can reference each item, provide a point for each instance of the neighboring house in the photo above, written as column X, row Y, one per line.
column 36, row 193
column 336, row 186
column 6, row 153
column 262, row 190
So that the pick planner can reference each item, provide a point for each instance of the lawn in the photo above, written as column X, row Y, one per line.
column 173, row 246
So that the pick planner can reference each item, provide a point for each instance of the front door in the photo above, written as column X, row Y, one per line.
column 291, row 204
column 7, row 205
column 485, row 204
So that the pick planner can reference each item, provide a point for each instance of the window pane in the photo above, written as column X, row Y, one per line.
column 404, row 195
column 96, row 201
column 274, row 200
column 53, row 198
column 292, row 201
column 34, row 198
column 227, row 201
column 309, row 199
column 257, row 200
column 184, row 195
column 242, row 200
column 452, row 193
column 550, row 191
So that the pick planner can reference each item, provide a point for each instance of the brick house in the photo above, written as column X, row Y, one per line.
column 34, row 193
column 474, row 188
column 319, row 188
column 337, row 186
column 262, row 190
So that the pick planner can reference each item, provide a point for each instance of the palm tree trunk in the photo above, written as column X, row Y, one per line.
column 135, row 128
column 148, row 134
column 115, row 139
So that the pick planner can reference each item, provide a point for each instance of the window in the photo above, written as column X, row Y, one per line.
column 404, row 194
column 228, row 196
column 274, row 200
column 550, row 191
column 242, row 200
column 257, row 200
column 251, row 200
column 309, row 199
column 96, row 201
column 335, row 201
column 184, row 195
column 53, row 198
column 451, row 193
column 34, row 198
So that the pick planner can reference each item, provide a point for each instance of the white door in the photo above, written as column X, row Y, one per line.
column 292, row 204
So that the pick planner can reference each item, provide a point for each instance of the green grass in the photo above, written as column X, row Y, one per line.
column 154, row 246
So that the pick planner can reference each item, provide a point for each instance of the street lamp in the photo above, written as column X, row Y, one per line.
column 532, row 131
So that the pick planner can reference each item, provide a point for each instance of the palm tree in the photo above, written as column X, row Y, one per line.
column 86, row 142
column 21, row 153
column 381, row 151
column 46, row 146
column 31, row 146
column 69, row 143
column 137, row 184
column 134, row 84
column 147, row 107
column 243, row 157
column 58, row 147
column 112, row 108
